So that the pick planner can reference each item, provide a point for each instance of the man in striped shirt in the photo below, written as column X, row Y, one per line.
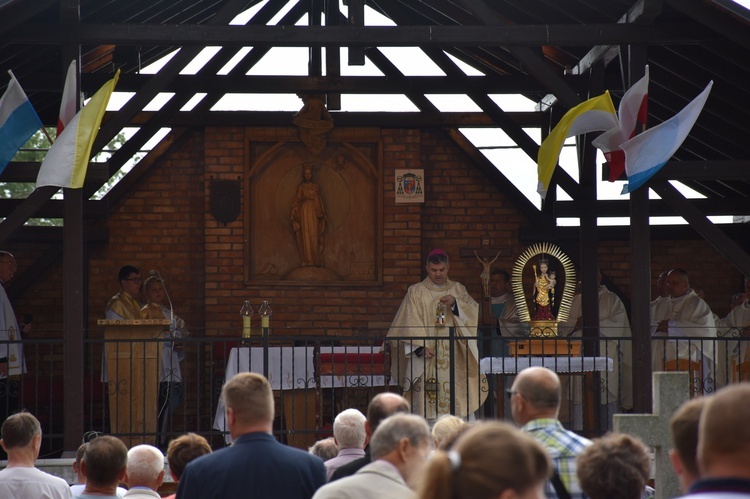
column 535, row 402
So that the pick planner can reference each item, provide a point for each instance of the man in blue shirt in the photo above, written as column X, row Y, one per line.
column 535, row 403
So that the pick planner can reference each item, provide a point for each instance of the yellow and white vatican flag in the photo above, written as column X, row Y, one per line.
column 67, row 160
column 595, row 114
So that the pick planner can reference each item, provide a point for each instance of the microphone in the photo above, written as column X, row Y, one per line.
column 172, row 324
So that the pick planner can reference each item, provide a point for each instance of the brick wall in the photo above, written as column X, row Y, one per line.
column 157, row 226
column 165, row 224
column 460, row 208
column 709, row 271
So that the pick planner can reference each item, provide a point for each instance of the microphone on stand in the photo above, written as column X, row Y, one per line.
column 172, row 323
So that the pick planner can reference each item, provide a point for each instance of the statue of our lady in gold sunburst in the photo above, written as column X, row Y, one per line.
column 547, row 308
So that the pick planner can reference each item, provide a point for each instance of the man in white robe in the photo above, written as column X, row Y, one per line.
column 735, row 325
column 172, row 353
column 419, row 341
column 684, row 318
column 12, row 361
column 613, row 324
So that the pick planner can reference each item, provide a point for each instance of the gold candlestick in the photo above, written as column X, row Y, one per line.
column 265, row 314
column 247, row 313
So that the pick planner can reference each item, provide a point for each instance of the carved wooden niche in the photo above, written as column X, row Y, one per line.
column 314, row 219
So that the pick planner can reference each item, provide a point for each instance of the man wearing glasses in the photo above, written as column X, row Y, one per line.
column 535, row 404
column 124, row 305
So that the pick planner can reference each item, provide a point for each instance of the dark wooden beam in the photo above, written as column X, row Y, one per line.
column 24, row 211
column 496, row 177
column 642, row 13
column 698, row 170
column 356, row 19
column 333, row 54
column 319, row 84
column 710, row 232
column 22, row 281
column 534, row 65
column 27, row 171
column 516, row 133
column 640, row 236
column 532, row 60
column 414, row 119
column 371, row 36
column 54, row 234
column 712, row 18
column 529, row 234
column 657, row 207
column 54, row 208
column 145, row 133
column 266, row 13
column 74, row 265
column 389, row 69
column 116, row 194
column 155, row 85
column 315, row 54
column 17, row 13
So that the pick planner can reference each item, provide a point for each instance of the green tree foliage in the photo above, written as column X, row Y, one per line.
column 34, row 150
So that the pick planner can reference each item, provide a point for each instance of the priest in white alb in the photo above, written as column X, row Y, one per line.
column 686, row 320
column 734, row 352
column 12, row 361
column 419, row 340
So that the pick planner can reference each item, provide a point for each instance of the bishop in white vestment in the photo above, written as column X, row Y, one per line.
column 419, row 339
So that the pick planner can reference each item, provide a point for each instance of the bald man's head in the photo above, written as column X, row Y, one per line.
column 724, row 434
column 384, row 405
column 535, row 394
column 677, row 283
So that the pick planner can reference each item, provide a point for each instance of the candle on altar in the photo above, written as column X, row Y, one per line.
column 247, row 313
column 265, row 313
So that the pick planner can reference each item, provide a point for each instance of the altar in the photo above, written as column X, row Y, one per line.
column 291, row 371
column 559, row 364
column 565, row 365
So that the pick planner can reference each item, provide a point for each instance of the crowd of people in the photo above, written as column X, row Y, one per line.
column 394, row 453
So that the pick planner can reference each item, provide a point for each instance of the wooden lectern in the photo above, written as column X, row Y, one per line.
column 132, row 358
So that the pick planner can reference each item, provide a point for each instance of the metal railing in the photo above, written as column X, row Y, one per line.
column 317, row 376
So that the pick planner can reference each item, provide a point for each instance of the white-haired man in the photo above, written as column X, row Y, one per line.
column 144, row 473
column 351, row 438
column 399, row 449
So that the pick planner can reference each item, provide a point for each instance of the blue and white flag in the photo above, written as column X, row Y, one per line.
column 647, row 152
column 18, row 121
